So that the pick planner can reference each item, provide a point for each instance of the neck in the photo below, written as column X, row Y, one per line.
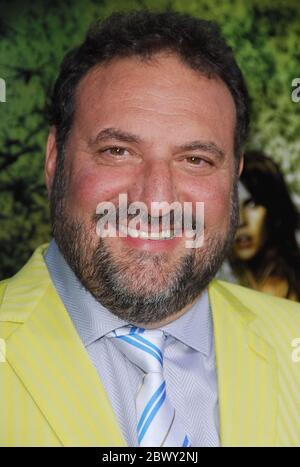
column 169, row 319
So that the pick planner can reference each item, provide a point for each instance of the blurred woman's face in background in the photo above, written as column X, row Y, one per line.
column 251, row 233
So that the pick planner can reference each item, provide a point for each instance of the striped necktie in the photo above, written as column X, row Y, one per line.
column 157, row 420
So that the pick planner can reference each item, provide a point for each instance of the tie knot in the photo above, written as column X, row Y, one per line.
column 144, row 347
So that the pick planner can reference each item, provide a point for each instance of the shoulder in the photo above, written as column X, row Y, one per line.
column 259, row 303
column 19, row 293
column 275, row 320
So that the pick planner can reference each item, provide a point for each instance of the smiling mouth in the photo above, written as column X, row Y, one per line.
column 136, row 233
column 146, row 235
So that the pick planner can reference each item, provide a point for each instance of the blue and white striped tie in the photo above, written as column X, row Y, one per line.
column 157, row 421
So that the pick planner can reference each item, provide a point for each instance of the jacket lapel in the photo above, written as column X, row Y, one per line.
column 247, row 372
column 48, row 356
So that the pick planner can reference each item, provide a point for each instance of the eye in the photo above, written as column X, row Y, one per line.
column 114, row 151
column 197, row 160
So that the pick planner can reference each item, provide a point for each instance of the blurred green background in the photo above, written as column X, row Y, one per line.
column 34, row 37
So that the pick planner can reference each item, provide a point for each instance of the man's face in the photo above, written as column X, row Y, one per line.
column 155, row 131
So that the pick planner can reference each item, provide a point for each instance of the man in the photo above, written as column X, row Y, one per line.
column 152, row 107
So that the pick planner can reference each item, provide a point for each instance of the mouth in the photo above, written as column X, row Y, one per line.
column 145, row 235
column 243, row 241
column 156, row 240
column 164, row 234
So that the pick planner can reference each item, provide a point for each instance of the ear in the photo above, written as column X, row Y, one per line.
column 241, row 165
column 50, row 160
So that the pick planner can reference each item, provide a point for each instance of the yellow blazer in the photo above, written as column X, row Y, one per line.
column 51, row 394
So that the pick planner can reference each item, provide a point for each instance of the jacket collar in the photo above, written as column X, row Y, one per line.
column 247, row 370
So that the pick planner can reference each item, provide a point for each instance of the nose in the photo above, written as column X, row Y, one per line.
column 156, row 184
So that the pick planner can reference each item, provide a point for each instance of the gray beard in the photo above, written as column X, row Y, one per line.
column 111, row 282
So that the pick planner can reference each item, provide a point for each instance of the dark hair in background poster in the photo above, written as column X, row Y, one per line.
column 275, row 262
column 36, row 35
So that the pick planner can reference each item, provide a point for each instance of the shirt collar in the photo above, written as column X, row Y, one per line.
column 93, row 321
column 195, row 327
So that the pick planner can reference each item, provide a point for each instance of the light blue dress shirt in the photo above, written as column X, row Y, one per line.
column 189, row 358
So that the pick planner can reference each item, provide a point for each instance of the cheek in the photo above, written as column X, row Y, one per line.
column 216, row 196
column 257, row 222
column 261, row 230
column 88, row 188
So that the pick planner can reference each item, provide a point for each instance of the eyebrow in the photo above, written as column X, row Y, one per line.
column 206, row 146
column 115, row 134
column 126, row 137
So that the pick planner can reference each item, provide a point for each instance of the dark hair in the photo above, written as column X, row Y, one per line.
column 264, row 180
column 142, row 33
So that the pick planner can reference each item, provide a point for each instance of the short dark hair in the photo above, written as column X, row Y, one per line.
column 197, row 42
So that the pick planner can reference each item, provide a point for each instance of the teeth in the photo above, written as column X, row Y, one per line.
column 163, row 235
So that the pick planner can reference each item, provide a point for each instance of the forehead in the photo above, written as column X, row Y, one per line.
column 162, row 90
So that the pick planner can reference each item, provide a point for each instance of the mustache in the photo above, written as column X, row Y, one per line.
column 175, row 220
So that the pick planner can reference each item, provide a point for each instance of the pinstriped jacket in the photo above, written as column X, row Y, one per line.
column 51, row 394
